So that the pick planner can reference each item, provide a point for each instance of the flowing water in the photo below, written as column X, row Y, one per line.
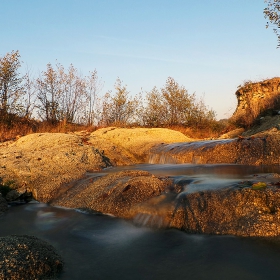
column 167, row 153
column 103, row 247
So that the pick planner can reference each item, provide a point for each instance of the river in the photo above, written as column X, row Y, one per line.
column 101, row 247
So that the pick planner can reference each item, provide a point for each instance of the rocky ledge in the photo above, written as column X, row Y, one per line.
column 259, row 149
column 242, row 210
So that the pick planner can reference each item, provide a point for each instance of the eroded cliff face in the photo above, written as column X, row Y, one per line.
column 253, row 98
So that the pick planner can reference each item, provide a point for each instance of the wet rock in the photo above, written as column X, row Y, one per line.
column 19, row 196
column 233, row 211
column 243, row 210
column 115, row 193
column 3, row 205
column 260, row 149
column 232, row 134
column 27, row 257
column 12, row 195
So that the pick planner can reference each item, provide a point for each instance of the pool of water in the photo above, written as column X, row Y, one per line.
column 103, row 247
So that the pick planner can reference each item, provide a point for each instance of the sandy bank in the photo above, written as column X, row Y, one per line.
column 43, row 162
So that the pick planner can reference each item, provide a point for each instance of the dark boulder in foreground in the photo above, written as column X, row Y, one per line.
column 154, row 201
column 27, row 257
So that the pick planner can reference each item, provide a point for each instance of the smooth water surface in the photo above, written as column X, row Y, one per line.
column 103, row 247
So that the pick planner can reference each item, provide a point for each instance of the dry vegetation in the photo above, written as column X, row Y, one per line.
column 61, row 100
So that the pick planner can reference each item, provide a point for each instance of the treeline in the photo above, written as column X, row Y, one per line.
column 59, row 94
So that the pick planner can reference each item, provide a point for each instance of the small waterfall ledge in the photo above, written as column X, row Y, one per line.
column 262, row 150
column 186, row 152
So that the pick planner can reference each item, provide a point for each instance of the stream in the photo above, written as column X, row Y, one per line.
column 96, row 246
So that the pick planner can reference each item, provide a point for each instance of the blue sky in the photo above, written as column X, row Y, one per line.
column 209, row 46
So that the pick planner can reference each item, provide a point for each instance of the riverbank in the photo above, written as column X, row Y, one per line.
column 43, row 163
column 56, row 169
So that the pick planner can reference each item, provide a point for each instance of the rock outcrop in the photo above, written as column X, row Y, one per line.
column 27, row 257
column 116, row 193
column 253, row 98
column 260, row 149
column 234, row 211
column 154, row 201
column 44, row 161
column 125, row 146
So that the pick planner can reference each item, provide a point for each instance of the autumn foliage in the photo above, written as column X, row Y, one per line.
column 62, row 99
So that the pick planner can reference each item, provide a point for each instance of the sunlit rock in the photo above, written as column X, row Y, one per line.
column 45, row 161
column 115, row 193
column 261, row 149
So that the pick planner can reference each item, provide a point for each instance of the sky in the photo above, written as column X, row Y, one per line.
column 208, row 46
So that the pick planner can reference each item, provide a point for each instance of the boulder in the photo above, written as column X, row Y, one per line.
column 126, row 146
column 259, row 149
column 243, row 210
column 27, row 257
column 116, row 193
column 3, row 205
column 43, row 162
column 232, row 211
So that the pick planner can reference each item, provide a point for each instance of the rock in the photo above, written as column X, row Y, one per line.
column 44, row 161
column 12, row 195
column 232, row 134
column 3, row 205
column 255, row 97
column 125, row 146
column 259, row 149
column 231, row 211
column 242, row 212
column 116, row 193
column 27, row 257
column 19, row 196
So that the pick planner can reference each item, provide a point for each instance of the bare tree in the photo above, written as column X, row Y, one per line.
column 173, row 105
column 272, row 13
column 49, row 95
column 10, row 83
column 201, row 116
column 178, row 102
column 93, row 87
column 28, row 100
column 73, row 94
column 155, row 111
column 120, row 108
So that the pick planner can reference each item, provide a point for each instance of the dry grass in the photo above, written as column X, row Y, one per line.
column 202, row 133
column 21, row 127
column 17, row 129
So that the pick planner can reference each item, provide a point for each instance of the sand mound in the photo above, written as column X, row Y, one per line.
column 134, row 144
column 45, row 161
